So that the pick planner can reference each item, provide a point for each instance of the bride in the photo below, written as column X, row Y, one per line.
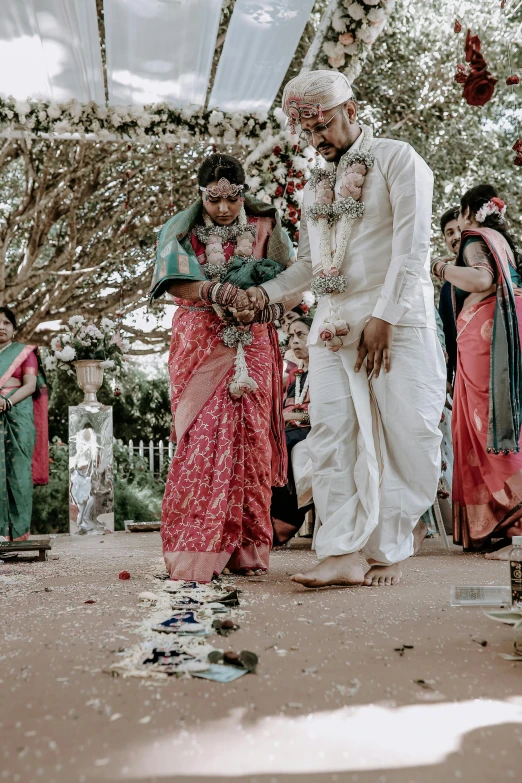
column 228, row 427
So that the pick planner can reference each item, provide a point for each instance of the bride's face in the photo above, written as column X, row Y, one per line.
column 223, row 211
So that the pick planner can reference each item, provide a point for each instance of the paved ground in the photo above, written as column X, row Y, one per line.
column 332, row 701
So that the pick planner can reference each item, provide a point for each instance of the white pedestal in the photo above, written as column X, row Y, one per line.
column 91, row 485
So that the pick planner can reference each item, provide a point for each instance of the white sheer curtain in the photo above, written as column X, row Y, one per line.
column 160, row 50
column 50, row 49
column 261, row 40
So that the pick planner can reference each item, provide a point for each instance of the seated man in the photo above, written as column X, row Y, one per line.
column 287, row 517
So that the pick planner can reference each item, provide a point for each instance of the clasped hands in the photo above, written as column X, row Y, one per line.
column 246, row 304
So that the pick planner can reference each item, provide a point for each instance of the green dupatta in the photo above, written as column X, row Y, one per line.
column 175, row 257
column 505, row 379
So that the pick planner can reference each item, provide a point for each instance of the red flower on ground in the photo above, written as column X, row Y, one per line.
column 124, row 575
column 279, row 191
column 479, row 88
column 514, row 79
column 277, row 151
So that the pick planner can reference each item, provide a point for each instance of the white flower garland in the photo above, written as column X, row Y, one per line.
column 327, row 211
column 356, row 25
column 299, row 395
column 216, row 269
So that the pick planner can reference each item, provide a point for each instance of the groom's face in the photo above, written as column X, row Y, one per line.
column 332, row 139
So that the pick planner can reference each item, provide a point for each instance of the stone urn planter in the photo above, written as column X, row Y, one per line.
column 90, row 377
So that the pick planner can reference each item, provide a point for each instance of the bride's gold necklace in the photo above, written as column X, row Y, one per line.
column 6, row 346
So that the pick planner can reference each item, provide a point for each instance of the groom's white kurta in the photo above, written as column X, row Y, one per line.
column 375, row 445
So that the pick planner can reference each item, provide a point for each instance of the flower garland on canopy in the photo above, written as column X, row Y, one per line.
column 356, row 25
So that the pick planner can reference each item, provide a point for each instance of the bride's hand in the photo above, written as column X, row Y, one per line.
column 243, row 316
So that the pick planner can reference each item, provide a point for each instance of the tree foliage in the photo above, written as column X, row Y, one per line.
column 62, row 203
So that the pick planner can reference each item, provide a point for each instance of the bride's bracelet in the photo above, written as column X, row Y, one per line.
column 222, row 294
column 270, row 313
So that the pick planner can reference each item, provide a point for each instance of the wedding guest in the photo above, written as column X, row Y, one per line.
column 287, row 517
column 230, row 441
column 487, row 471
column 24, row 441
column 451, row 232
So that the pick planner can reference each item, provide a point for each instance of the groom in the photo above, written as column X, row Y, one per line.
column 377, row 399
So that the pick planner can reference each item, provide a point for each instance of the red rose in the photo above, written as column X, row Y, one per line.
column 290, row 188
column 294, row 220
column 518, row 159
column 479, row 88
column 296, row 235
column 299, row 185
column 279, row 191
column 517, row 146
column 512, row 80
column 461, row 77
column 457, row 26
column 277, row 151
column 473, row 43
column 124, row 575
column 299, row 175
column 288, row 165
column 296, row 149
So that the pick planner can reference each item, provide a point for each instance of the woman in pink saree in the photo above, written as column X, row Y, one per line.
column 487, row 471
column 230, row 440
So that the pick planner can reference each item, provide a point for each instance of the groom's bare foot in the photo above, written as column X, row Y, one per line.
column 419, row 534
column 379, row 575
column 500, row 554
column 346, row 570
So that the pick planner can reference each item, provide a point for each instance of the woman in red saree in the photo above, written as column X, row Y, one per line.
column 487, row 471
column 230, row 448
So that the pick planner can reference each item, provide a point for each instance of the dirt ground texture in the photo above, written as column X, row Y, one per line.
column 333, row 698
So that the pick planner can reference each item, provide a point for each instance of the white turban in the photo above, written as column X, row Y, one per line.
column 313, row 93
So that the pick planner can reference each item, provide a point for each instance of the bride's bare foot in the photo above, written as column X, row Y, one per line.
column 500, row 554
column 380, row 575
column 347, row 570
column 419, row 534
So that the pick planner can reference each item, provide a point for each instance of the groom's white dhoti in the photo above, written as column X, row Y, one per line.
column 375, row 444
column 375, row 447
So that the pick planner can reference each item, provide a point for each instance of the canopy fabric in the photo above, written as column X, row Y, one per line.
column 50, row 50
column 160, row 50
column 261, row 40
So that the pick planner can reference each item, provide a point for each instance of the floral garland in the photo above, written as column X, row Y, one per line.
column 277, row 171
column 356, row 25
column 140, row 123
column 216, row 268
column 324, row 213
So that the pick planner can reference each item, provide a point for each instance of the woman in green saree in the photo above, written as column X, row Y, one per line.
column 24, row 450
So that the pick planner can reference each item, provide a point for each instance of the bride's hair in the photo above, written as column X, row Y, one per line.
column 220, row 165
column 475, row 198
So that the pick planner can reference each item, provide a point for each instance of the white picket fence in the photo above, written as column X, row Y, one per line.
column 156, row 453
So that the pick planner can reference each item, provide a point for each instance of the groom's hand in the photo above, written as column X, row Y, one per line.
column 257, row 300
column 375, row 346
